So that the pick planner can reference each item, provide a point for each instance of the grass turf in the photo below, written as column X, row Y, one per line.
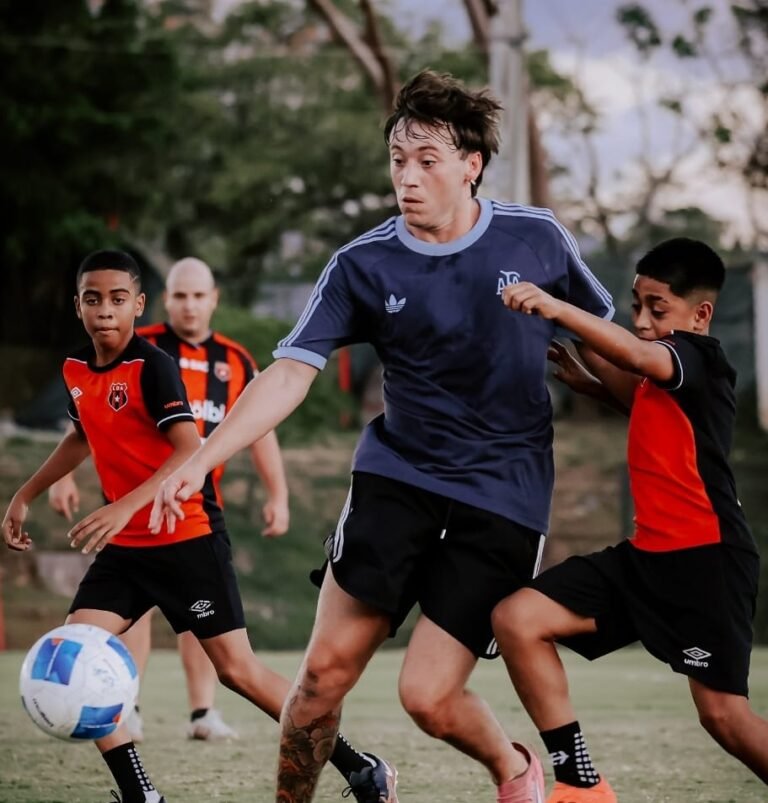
column 638, row 718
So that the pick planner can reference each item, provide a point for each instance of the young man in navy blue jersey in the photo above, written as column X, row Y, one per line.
column 451, row 485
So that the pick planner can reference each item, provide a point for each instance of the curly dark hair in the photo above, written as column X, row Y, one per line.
column 470, row 119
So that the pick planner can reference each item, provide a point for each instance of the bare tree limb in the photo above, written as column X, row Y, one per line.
column 389, row 85
column 480, row 22
column 370, row 55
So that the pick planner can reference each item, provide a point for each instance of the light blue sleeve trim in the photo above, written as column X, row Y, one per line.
column 300, row 355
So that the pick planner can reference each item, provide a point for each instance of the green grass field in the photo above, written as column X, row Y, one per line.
column 637, row 715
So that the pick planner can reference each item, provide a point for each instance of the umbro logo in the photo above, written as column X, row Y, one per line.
column 202, row 608
column 393, row 304
column 76, row 393
column 696, row 657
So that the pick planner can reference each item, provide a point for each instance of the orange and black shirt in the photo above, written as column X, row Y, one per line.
column 124, row 409
column 214, row 372
column 680, row 435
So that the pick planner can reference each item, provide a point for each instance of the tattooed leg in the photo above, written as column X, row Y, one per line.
column 304, row 750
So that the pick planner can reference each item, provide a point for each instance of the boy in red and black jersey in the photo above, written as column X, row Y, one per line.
column 131, row 414
column 215, row 370
column 685, row 584
column 124, row 410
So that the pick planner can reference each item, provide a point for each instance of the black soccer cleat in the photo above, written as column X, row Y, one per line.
column 374, row 784
column 117, row 799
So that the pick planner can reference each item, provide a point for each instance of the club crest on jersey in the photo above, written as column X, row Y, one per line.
column 118, row 395
column 222, row 371
column 507, row 277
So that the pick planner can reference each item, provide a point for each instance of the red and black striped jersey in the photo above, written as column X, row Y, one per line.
column 214, row 372
column 679, row 441
column 124, row 409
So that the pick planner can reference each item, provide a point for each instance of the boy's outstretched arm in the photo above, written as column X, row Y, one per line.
column 106, row 522
column 66, row 457
column 620, row 384
column 268, row 399
column 610, row 341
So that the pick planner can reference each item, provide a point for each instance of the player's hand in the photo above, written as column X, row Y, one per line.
column 276, row 518
column 188, row 479
column 64, row 497
column 15, row 537
column 97, row 529
column 569, row 370
column 531, row 300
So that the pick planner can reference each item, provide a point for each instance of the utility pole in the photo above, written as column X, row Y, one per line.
column 508, row 177
column 760, row 306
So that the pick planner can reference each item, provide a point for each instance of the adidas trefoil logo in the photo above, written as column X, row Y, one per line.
column 393, row 305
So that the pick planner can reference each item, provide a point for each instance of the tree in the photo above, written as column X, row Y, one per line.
column 365, row 42
column 82, row 143
column 713, row 106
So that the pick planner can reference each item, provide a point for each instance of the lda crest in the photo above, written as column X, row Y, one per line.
column 118, row 395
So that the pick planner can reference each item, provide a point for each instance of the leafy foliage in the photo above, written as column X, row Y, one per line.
column 326, row 407
column 83, row 133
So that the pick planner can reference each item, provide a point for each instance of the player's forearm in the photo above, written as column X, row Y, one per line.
column 267, row 400
column 64, row 459
column 268, row 462
column 609, row 340
column 143, row 494
column 618, row 385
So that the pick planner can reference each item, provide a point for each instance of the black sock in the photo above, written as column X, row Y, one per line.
column 198, row 713
column 125, row 765
column 570, row 757
column 346, row 759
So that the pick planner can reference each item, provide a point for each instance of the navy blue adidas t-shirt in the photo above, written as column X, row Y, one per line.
column 466, row 410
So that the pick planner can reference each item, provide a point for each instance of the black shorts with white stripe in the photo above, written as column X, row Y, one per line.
column 397, row 545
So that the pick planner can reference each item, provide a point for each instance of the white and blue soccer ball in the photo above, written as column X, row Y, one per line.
column 78, row 682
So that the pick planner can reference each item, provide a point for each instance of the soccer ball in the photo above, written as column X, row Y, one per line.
column 78, row 682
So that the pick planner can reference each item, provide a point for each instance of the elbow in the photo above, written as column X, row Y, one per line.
column 294, row 378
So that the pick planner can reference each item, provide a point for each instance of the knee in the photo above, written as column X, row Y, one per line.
column 430, row 713
column 512, row 621
column 722, row 726
column 233, row 675
column 329, row 673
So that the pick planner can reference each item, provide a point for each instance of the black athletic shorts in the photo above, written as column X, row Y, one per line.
column 692, row 608
column 396, row 545
column 192, row 582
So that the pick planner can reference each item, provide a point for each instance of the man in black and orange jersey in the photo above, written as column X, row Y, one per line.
column 131, row 414
column 215, row 371
column 685, row 585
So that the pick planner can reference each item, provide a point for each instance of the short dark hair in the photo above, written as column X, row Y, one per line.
column 684, row 264
column 109, row 259
column 434, row 98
